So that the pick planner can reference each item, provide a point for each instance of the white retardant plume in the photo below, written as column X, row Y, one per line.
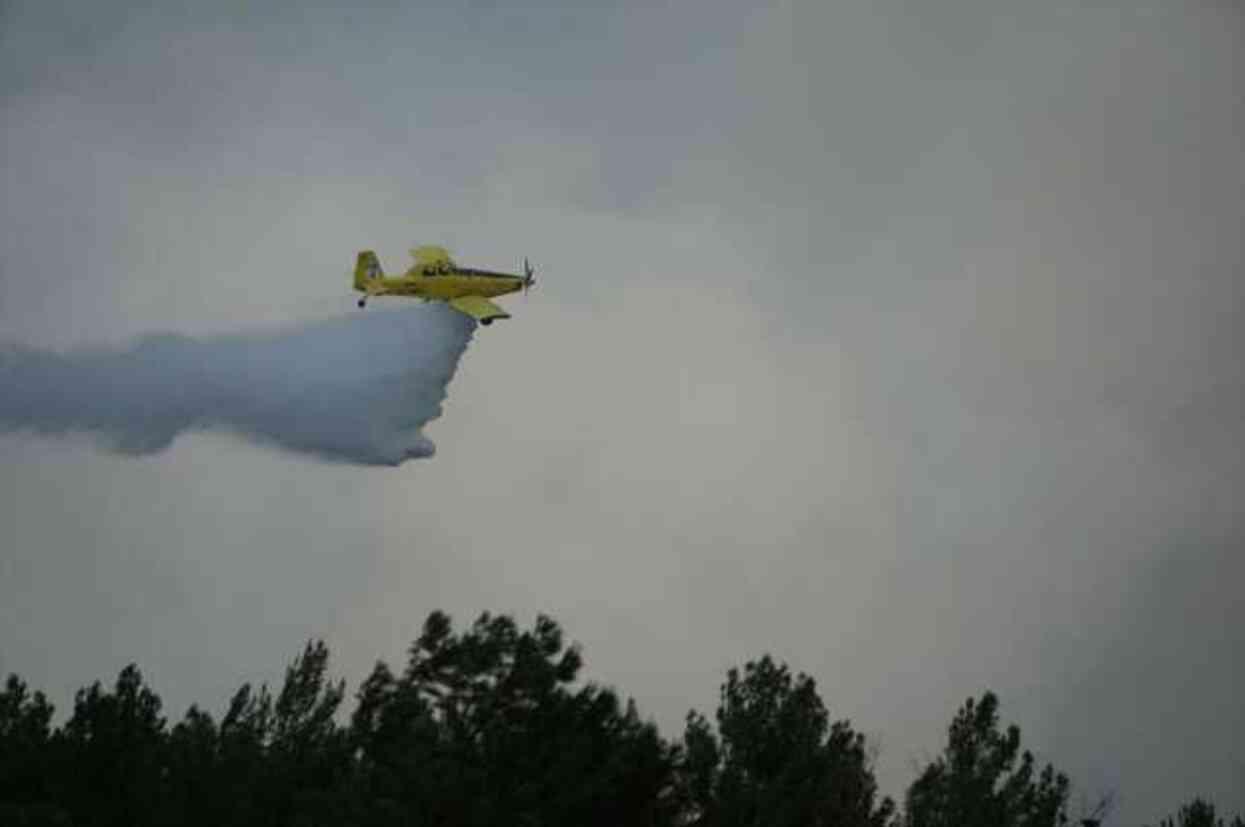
column 356, row 388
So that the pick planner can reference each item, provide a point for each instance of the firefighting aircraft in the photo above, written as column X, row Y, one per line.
column 435, row 276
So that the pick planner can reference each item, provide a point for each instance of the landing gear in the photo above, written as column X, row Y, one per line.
column 486, row 321
column 362, row 302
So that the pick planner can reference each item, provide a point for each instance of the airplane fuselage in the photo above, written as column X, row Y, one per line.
column 444, row 286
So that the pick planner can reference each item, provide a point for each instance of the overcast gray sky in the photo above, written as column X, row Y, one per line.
column 899, row 339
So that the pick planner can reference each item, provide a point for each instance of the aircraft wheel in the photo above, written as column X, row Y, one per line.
column 362, row 302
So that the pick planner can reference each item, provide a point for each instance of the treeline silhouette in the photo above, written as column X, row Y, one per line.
column 492, row 726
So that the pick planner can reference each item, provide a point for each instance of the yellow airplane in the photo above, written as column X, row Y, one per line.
column 435, row 276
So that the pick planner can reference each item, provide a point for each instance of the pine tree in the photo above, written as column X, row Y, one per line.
column 776, row 758
column 983, row 779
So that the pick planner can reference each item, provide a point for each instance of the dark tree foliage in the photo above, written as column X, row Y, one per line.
column 192, row 764
column 485, row 728
column 113, row 743
column 978, row 781
column 1199, row 813
column 308, row 754
column 492, row 725
column 489, row 726
column 777, row 760
column 26, row 794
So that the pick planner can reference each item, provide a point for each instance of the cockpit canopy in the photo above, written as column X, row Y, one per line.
column 431, row 259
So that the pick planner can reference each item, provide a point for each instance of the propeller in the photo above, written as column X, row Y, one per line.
column 528, row 279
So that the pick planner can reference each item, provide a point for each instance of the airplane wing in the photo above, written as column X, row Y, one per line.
column 478, row 308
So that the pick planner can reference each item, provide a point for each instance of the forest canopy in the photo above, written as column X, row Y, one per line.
column 494, row 725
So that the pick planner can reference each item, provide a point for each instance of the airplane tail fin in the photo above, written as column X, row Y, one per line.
column 366, row 267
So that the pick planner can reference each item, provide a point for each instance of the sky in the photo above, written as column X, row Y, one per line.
column 897, row 339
